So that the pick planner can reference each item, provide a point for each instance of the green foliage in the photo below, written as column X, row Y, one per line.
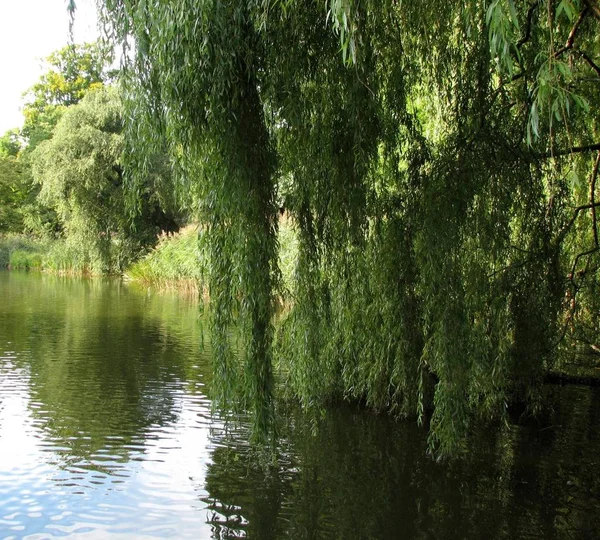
column 19, row 251
column 435, row 231
column 66, row 257
column 78, row 171
column 13, row 194
column 80, row 175
column 175, row 262
column 24, row 260
column 10, row 143
column 198, row 64
column 178, row 261
column 15, row 248
column 71, row 73
column 288, row 258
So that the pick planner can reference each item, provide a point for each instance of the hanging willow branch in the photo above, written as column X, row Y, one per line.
column 593, row 199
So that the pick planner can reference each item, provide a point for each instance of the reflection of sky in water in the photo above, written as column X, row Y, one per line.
column 44, row 492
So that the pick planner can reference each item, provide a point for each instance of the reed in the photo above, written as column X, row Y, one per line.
column 176, row 262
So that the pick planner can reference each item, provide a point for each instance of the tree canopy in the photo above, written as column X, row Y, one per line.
column 71, row 72
column 439, row 160
column 80, row 174
column 10, row 143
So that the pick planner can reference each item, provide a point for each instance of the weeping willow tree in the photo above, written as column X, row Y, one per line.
column 437, row 160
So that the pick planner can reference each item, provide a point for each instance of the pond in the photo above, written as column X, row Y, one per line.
column 106, row 431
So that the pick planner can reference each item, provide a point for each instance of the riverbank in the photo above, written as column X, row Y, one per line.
column 177, row 261
column 20, row 252
column 23, row 252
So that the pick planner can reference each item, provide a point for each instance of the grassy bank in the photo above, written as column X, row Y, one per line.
column 20, row 252
column 177, row 262
column 23, row 252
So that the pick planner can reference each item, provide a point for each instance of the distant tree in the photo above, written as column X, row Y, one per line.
column 12, row 195
column 80, row 174
column 72, row 72
column 10, row 143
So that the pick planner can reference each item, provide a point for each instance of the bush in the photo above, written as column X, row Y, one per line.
column 25, row 260
column 20, row 251
column 175, row 262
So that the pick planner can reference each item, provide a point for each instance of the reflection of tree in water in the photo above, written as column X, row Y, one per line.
column 559, row 463
column 363, row 476
column 244, row 492
column 105, row 366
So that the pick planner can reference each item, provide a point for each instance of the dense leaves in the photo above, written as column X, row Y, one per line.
column 78, row 170
column 437, row 161
column 11, row 194
column 70, row 73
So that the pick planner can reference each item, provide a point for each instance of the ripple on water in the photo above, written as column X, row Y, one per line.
column 95, row 448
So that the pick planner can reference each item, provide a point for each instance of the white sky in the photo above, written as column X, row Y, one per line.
column 29, row 31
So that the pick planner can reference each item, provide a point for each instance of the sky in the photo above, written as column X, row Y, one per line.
column 29, row 31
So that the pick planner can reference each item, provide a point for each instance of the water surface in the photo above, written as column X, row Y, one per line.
column 106, row 431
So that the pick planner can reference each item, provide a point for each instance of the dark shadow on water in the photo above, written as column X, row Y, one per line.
column 367, row 476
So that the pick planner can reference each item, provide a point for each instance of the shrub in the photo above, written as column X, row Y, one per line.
column 25, row 260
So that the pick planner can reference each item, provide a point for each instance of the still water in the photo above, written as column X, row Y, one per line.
column 106, row 431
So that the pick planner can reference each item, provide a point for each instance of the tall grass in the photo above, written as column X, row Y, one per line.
column 66, row 259
column 22, row 252
column 176, row 262
column 25, row 260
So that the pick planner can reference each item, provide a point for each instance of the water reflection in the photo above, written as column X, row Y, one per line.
column 364, row 476
column 106, row 431
column 104, row 418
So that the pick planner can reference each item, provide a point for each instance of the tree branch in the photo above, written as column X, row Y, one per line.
column 568, row 151
column 581, row 208
column 591, row 63
column 571, row 39
column 593, row 6
column 527, row 35
column 574, row 267
column 570, row 43
column 518, row 264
